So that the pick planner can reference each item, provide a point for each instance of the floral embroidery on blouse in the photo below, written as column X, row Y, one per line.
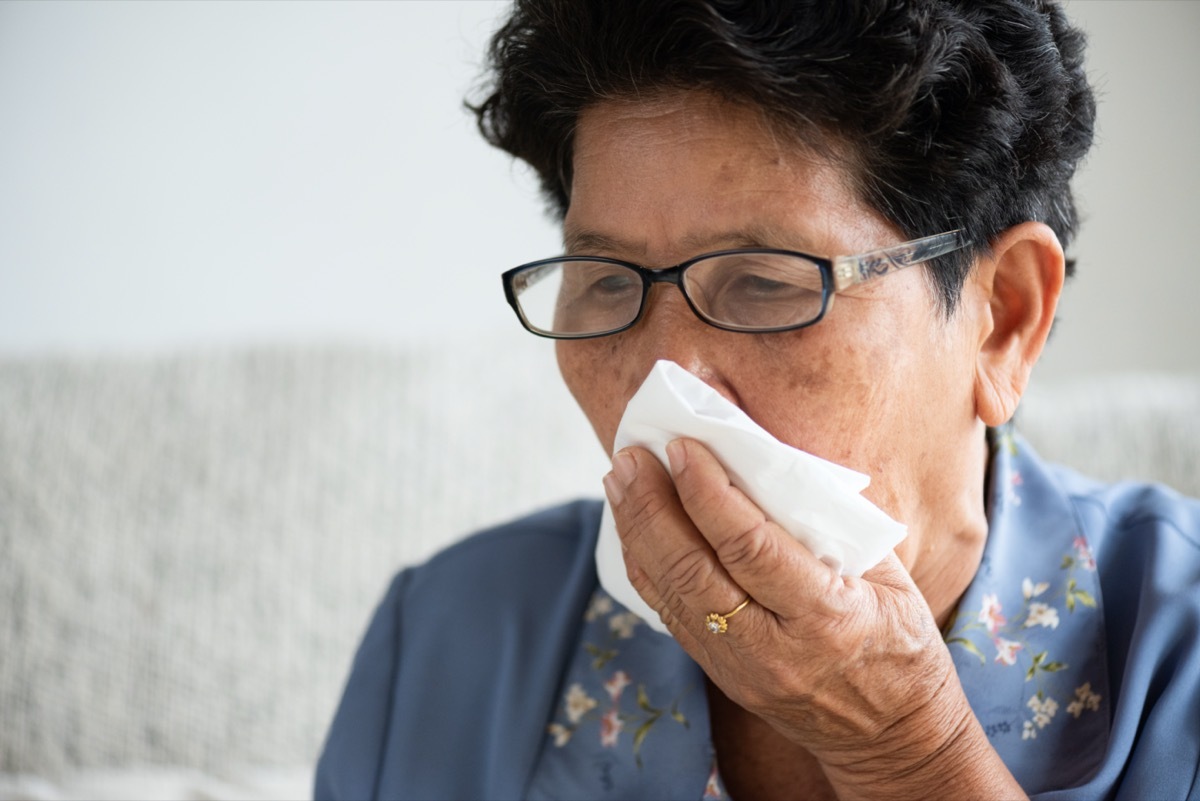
column 1028, row 643
column 1084, row 699
column 714, row 790
column 991, row 619
column 1011, row 644
column 617, row 716
column 1043, row 709
column 1012, row 637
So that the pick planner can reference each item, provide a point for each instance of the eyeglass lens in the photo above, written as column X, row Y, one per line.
column 738, row 290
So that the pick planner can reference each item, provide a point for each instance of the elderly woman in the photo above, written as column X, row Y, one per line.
column 1034, row 631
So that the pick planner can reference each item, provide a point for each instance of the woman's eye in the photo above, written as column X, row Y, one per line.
column 752, row 287
column 614, row 284
column 760, row 285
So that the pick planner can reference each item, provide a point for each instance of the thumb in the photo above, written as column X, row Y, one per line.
column 891, row 572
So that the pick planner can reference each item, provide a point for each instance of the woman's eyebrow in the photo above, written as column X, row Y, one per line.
column 754, row 236
column 583, row 241
column 580, row 241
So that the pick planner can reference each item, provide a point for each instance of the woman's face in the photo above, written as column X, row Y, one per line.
column 884, row 384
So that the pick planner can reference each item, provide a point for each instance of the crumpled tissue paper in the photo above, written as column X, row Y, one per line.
column 815, row 500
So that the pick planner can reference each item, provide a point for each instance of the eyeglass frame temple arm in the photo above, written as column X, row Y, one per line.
column 851, row 270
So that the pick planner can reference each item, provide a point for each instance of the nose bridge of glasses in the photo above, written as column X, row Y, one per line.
column 669, row 324
column 669, row 275
column 664, row 275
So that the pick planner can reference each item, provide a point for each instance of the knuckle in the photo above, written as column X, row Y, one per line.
column 750, row 546
column 691, row 568
column 645, row 511
column 674, row 611
column 641, row 583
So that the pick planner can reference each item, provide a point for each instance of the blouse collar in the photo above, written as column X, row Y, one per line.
column 1028, row 639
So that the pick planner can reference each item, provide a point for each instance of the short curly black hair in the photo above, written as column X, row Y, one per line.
column 968, row 114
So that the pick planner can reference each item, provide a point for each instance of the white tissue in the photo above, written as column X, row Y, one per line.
column 815, row 500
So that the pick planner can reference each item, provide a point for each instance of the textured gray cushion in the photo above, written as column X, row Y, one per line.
column 192, row 543
column 1119, row 427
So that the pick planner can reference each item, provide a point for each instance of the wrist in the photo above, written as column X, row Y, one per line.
column 937, row 751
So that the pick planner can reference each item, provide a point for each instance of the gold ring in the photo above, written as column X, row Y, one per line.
column 718, row 624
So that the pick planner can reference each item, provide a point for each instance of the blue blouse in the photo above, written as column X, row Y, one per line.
column 499, row 669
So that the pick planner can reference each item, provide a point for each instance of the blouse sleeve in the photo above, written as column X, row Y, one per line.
column 353, row 754
column 456, row 678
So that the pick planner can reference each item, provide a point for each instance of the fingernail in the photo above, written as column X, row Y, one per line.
column 677, row 456
column 612, row 488
column 625, row 467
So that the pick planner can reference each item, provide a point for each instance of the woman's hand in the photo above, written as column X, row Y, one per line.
column 852, row 669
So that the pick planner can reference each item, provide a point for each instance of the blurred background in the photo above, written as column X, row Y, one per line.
column 255, row 357
column 180, row 174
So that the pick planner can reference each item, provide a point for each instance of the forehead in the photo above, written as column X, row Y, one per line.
column 688, row 170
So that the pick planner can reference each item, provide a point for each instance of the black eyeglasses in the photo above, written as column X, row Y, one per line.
column 757, row 290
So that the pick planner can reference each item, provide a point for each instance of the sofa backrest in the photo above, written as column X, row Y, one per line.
column 192, row 543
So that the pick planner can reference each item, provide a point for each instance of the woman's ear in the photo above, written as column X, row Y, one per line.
column 1023, row 276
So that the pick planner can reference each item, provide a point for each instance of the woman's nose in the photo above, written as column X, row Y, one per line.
column 669, row 329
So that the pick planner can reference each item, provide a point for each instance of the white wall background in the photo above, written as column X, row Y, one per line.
column 182, row 174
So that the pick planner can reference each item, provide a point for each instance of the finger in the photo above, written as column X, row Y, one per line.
column 680, row 576
column 650, row 594
column 761, row 557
